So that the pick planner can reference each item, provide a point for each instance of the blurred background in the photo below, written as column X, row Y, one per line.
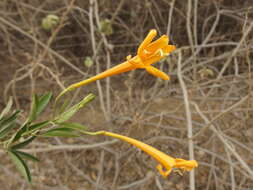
column 206, row 108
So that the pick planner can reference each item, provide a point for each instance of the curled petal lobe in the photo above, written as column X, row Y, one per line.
column 186, row 165
column 168, row 48
column 163, row 172
column 146, row 41
column 157, row 73
column 158, row 44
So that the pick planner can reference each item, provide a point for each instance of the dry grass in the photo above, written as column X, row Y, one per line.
column 204, row 112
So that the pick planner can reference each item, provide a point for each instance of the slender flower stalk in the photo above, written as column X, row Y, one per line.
column 166, row 162
column 148, row 53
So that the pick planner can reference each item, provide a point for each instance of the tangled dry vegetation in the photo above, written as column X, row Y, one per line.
column 205, row 109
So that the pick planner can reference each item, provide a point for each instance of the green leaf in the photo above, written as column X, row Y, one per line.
column 38, row 105
column 18, row 134
column 75, row 126
column 64, row 105
column 24, row 143
column 8, row 124
column 43, row 101
column 20, row 164
column 8, row 120
column 7, row 108
column 36, row 127
column 33, row 108
column 66, row 115
column 60, row 132
column 26, row 129
column 27, row 156
column 6, row 131
column 71, row 111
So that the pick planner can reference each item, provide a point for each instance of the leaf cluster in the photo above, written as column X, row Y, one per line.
column 15, row 136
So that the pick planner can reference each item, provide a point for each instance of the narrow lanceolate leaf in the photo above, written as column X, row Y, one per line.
column 63, row 106
column 7, row 130
column 6, row 109
column 60, row 132
column 19, row 133
column 6, row 121
column 75, row 126
column 28, row 129
column 71, row 111
column 33, row 112
column 20, row 164
column 38, row 105
column 43, row 101
column 27, row 156
column 35, row 127
column 6, row 125
column 24, row 143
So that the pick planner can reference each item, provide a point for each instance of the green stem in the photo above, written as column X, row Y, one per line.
column 62, row 93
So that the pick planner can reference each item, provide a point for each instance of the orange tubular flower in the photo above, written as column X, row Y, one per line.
column 148, row 53
column 166, row 163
